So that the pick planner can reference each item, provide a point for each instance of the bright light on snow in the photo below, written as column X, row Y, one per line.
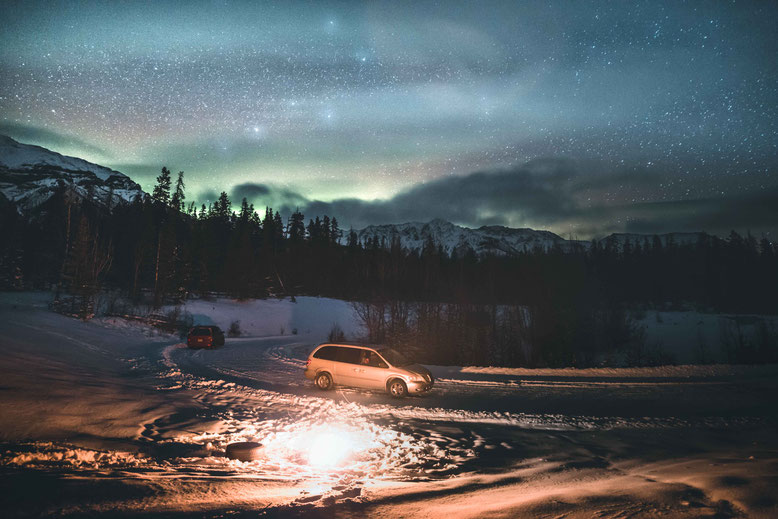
column 329, row 448
column 326, row 446
column 300, row 448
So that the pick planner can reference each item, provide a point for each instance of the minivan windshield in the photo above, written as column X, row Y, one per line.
column 394, row 357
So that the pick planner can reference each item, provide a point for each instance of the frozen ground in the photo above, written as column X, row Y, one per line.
column 111, row 418
column 692, row 337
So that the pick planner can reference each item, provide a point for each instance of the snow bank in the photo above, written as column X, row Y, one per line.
column 687, row 371
column 693, row 337
column 48, row 454
column 312, row 317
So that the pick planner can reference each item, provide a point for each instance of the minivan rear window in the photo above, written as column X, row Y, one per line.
column 201, row 331
column 326, row 353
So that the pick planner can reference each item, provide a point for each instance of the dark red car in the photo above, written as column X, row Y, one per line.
column 205, row 337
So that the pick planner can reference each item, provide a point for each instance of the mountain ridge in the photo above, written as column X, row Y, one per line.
column 501, row 240
column 492, row 239
column 30, row 175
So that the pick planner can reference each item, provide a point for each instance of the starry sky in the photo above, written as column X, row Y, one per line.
column 583, row 118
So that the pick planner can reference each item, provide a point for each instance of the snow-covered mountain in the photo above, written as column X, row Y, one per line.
column 502, row 241
column 676, row 238
column 493, row 239
column 31, row 175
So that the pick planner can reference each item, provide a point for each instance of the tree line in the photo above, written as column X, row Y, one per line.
column 160, row 245
column 162, row 249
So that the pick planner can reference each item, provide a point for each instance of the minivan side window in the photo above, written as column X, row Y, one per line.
column 327, row 353
column 350, row 355
column 375, row 361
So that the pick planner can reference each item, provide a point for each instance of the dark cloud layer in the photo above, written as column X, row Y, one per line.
column 756, row 212
column 250, row 191
column 267, row 195
column 547, row 194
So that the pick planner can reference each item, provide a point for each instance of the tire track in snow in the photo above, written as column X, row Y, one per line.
column 79, row 342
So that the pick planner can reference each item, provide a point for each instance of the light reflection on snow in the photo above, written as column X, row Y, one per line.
column 330, row 444
column 314, row 448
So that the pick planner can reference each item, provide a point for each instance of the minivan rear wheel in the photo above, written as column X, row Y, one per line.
column 323, row 381
column 397, row 388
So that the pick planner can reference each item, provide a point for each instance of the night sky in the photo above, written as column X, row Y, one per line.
column 578, row 117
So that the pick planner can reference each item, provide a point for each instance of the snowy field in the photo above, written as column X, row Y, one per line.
column 108, row 417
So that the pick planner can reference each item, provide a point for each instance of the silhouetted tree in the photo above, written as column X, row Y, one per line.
column 177, row 200
column 161, row 192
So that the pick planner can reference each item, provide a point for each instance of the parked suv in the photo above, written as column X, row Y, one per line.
column 366, row 367
column 205, row 337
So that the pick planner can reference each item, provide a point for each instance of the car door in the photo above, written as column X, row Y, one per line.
column 347, row 366
column 371, row 371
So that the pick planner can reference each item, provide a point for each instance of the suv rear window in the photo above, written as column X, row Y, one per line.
column 201, row 331
column 326, row 353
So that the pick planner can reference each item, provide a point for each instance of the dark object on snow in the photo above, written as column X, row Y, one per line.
column 234, row 330
column 244, row 451
column 205, row 337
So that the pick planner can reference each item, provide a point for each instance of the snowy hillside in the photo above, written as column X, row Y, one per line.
column 30, row 175
column 677, row 238
column 492, row 239
column 309, row 317
column 499, row 240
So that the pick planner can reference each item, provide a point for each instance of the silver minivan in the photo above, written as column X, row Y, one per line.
column 366, row 367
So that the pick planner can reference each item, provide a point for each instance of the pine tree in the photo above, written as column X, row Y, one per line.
column 161, row 191
column 177, row 200
column 245, row 212
column 254, row 217
column 223, row 207
column 353, row 239
column 326, row 236
column 268, row 229
column 296, row 227
column 335, row 232
column 278, row 227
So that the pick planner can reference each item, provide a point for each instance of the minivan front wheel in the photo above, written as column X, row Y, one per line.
column 397, row 388
column 323, row 381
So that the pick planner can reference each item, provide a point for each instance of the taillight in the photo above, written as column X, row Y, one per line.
column 308, row 362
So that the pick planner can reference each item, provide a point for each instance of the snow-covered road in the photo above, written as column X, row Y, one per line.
column 106, row 416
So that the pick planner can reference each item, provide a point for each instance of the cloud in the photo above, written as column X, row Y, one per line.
column 207, row 195
column 632, row 177
column 754, row 211
column 268, row 195
column 55, row 141
column 250, row 190
column 539, row 192
column 545, row 194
